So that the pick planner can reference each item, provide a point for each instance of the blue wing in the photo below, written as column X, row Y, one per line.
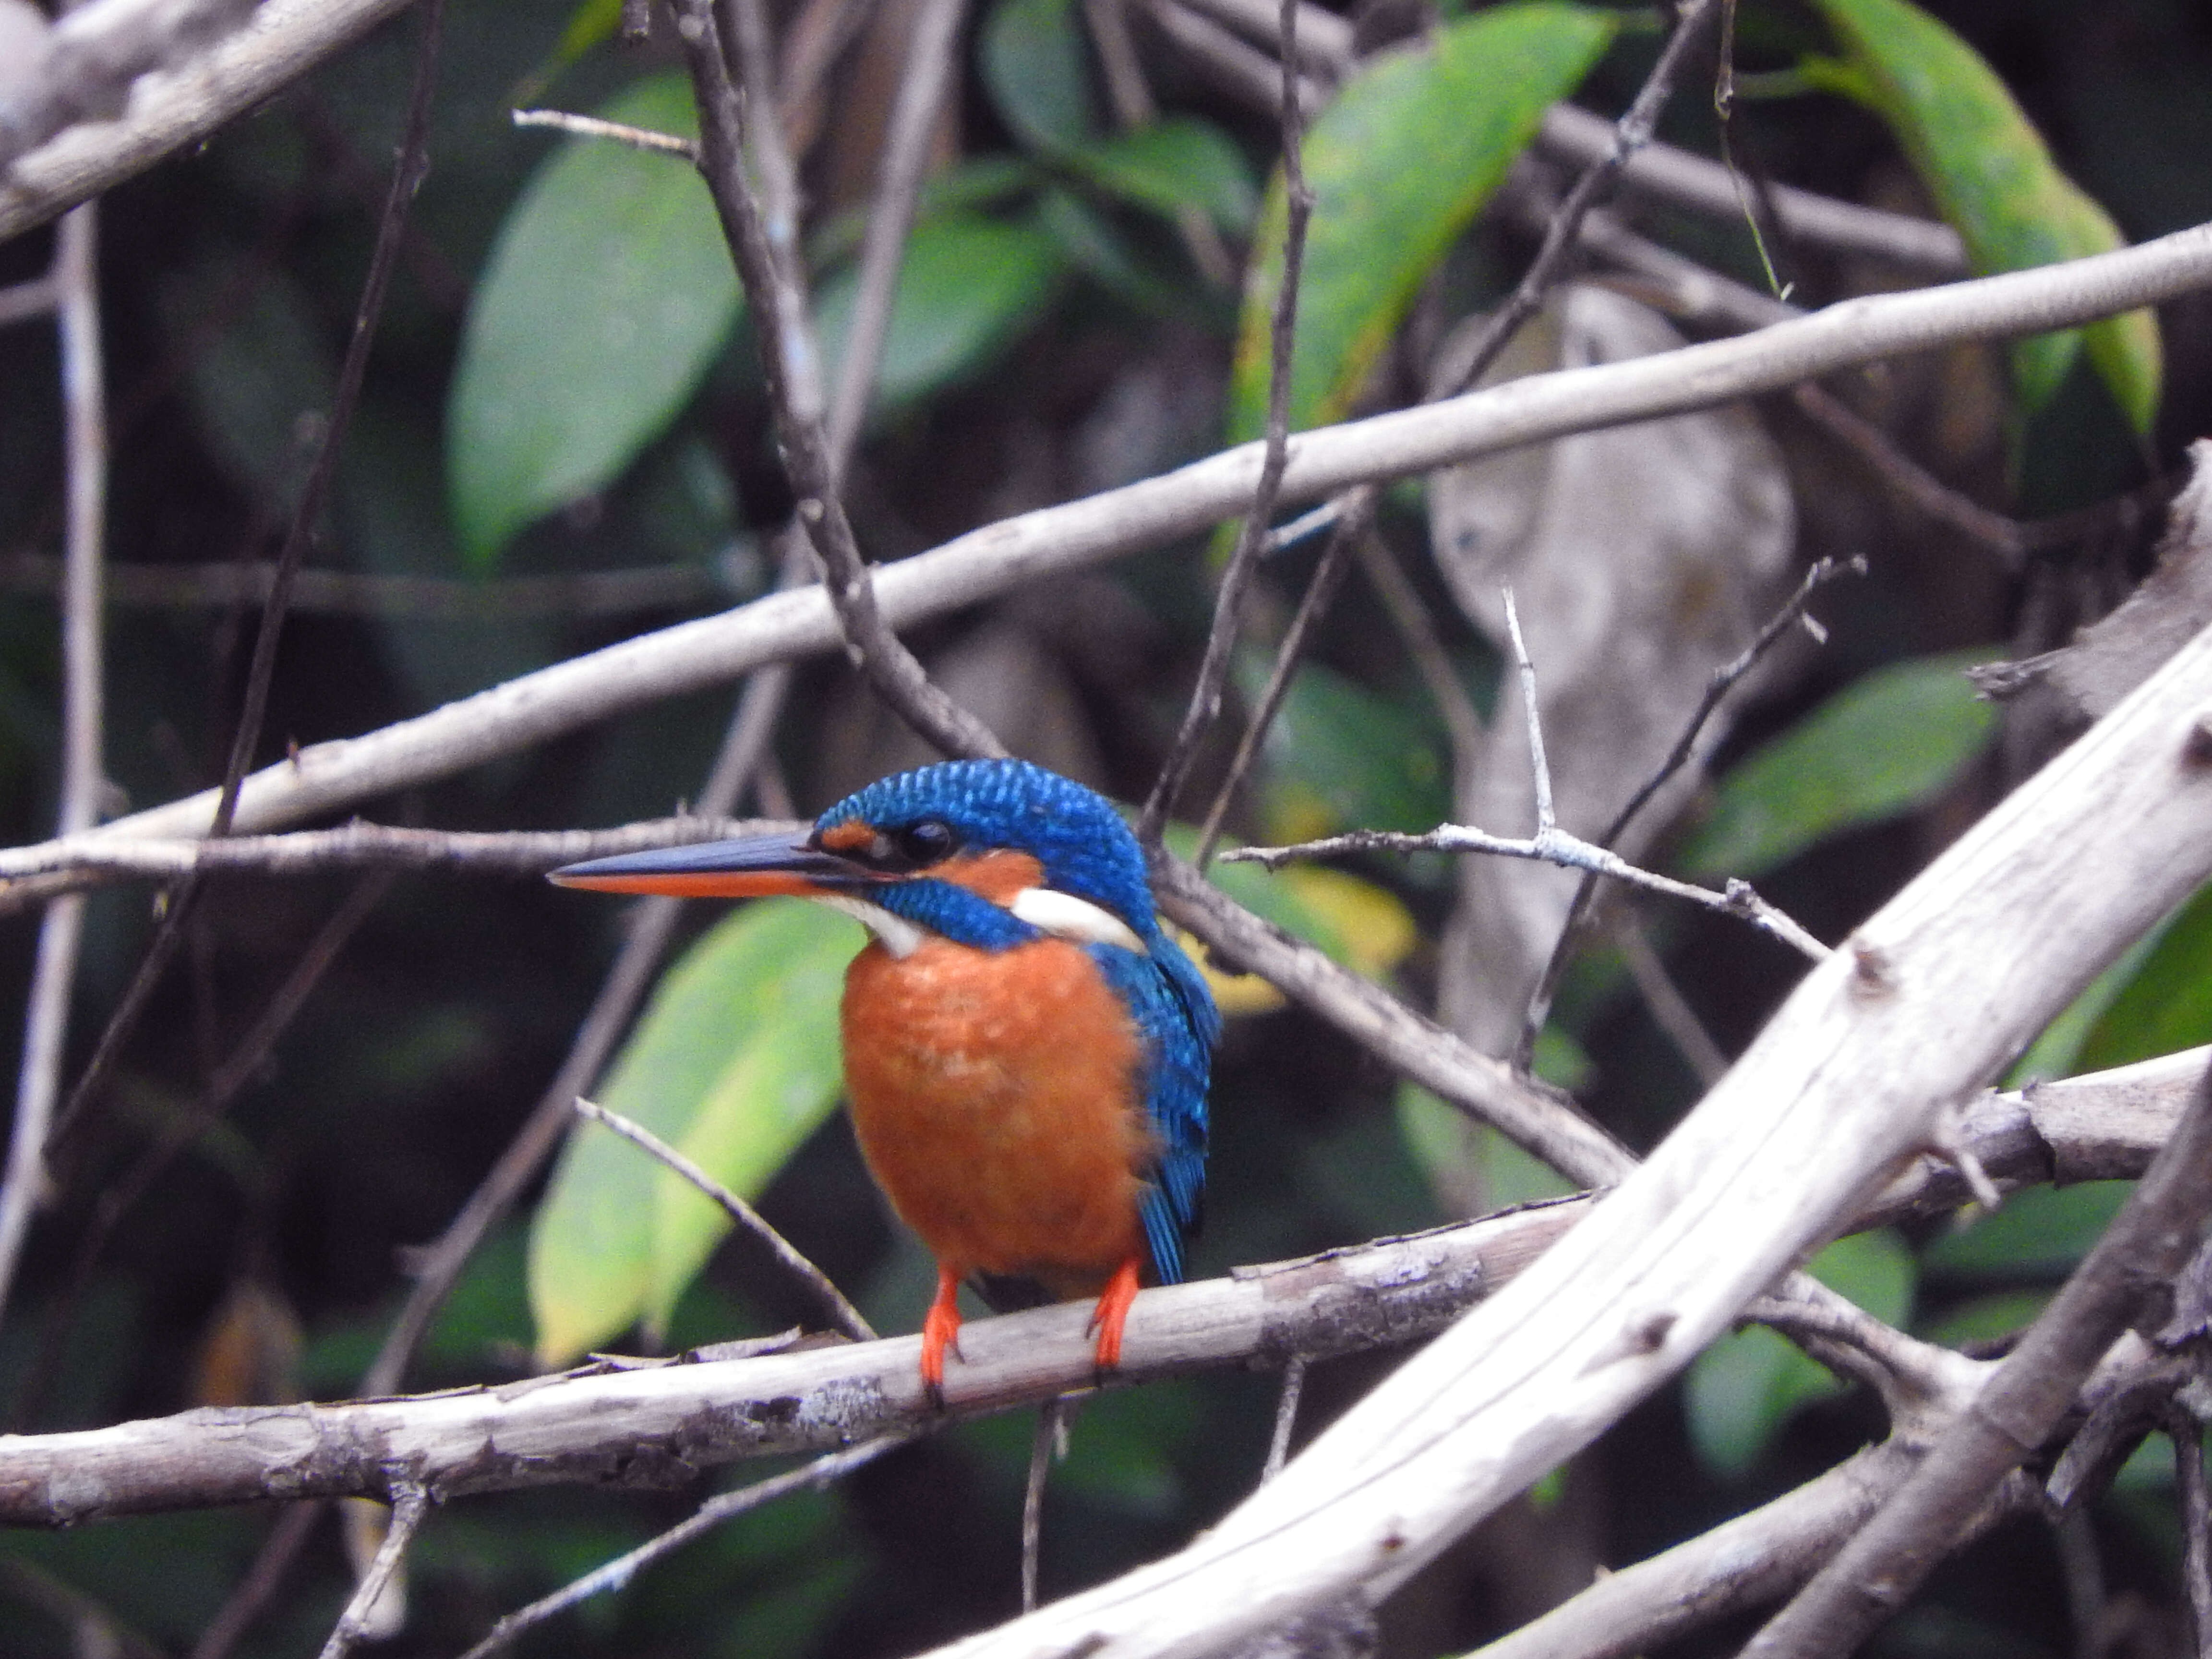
column 1175, row 1012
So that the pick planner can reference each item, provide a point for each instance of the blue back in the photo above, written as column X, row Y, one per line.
column 1086, row 850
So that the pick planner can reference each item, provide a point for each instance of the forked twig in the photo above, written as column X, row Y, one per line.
column 841, row 1313
column 1724, row 679
column 1550, row 844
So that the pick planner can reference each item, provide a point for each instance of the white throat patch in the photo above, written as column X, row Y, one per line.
column 900, row 937
column 1065, row 917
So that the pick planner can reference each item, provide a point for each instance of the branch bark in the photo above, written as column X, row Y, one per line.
column 1932, row 995
column 328, row 777
column 643, row 1426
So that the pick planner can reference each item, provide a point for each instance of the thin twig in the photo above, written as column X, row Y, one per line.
column 1252, row 538
column 412, row 1504
column 1630, row 134
column 1286, row 1417
column 591, row 126
column 361, row 845
column 45, row 1027
column 1723, row 680
column 715, row 1511
column 19, row 302
column 1046, row 1444
column 262, row 1579
column 921, row 93
column 585, row 594
column 2187, row 1434
column 1550, row 844
column 245, row 1062
column 1320, row 592
column 1670, row 1010
column 790, row 368
column 2150, row 1240
column 407, row 175
column 840, row 1312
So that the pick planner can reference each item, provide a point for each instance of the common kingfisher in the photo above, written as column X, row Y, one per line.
column 1026, row 1050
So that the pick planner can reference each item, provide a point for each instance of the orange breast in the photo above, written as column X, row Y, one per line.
column 996, row 1097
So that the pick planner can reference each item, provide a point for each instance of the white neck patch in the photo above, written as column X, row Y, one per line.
column 900, row 937
column 1065, row 917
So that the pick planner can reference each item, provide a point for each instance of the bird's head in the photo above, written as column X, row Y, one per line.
column 988, row 853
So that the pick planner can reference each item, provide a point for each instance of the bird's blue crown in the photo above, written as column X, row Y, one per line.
column 1074, row 833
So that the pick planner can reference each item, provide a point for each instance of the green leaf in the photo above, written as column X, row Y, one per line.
column 1743, row 1389
column 968, row 288
column 1177, row 163
column 1399, row 163
column 1033, row 63
column 2040, row 1233
column 1877, row 749
column 1993, row 178
column 1339, row 755
column 2168, row 1005
column 1986, row 1318
column 1089, row 240
column 735, row 1062
column 608, row 292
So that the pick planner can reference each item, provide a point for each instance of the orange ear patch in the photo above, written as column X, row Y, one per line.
column 998, row 875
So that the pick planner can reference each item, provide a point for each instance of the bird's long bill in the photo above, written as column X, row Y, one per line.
column 758, row 866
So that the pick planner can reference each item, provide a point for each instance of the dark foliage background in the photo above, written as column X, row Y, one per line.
column 268, row 1257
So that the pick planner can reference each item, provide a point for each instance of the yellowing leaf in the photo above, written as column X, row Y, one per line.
column 1992, row 177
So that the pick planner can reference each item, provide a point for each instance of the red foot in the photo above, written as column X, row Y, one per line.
column 940, row 1329
column 1112, row 1312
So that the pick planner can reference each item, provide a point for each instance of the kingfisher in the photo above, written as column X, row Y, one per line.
column 1026, row 1049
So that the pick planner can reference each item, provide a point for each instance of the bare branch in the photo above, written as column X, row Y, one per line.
column 1251, row 540
column 2150, row 1240
column 1286, row 1417
column 344, row 592
column 787, row 348
column 711, row 1514
column 81, row 67
column 591, row 126
column 2187, row 1434
column 75, row 275
column 1680, row 178
column 1723, row 680
column 1630, row 134
column 407, row 1513
column 364, row 846
column 1414, row 1046
column 283, row 40
column 328, row 777
column 922, row 88
column 1348, row 531
column 841, row 1313
column 2104, row 1126
column 1943, row 984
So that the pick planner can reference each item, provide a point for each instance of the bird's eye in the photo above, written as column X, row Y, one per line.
column 929, row 841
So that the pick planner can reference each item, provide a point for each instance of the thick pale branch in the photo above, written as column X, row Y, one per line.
column 1930, row 996
column 282, row 41
column 330, row 777
column 640, row 1426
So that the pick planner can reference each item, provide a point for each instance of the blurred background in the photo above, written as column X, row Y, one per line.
column 1066, row 324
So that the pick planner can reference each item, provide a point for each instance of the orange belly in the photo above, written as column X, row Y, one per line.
column 996, row 1097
